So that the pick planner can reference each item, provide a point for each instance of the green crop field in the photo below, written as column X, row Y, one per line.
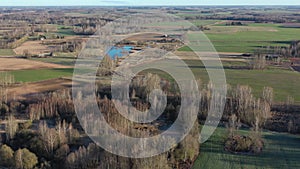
column 183, row 23
column 41, row 74
column 66, row 32
column 284, row 82
column 67, row 59
column 204, row 22
column 7, row 52
column 280, row 151
column 250, row 37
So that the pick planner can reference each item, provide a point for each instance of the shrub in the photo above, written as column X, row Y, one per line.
column 24, row 159
column 244, row 144
column 6, row 156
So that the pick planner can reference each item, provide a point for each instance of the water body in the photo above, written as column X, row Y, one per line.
column 119, row 51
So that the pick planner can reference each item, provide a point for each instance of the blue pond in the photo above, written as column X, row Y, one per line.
column 119, row 51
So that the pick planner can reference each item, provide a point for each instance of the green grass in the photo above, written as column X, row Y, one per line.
column 183, row 23
column 65, row 30
column 7, row 52
column 41, row 74
column 284, row 82
column 61, row 60
column 246, row 39
column 180, row 23
column 204, row 22
column 280, row 151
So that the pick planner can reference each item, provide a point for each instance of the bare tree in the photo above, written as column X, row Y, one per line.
column 49, row 137
column 268, row 95
column 232, row 124
column 259, row 62
column 6, row 79
column 11, row 127
column 61, row 129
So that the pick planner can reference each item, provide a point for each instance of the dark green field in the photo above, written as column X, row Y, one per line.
column 65, row 30
column 284, row 82
column 60, row 58
column 247, row 38
column 281, row 151
column 42, row 74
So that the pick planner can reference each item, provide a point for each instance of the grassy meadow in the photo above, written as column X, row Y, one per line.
column 284, row 82
column 41, row 74
column 249, row 37
column 65, row 30
column 60, row 58
column 280, row 151
column 7, row 52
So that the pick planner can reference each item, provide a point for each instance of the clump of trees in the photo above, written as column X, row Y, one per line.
column 106, row 67
column 241, row 102
column 11, row 127
column 85, row 29
column 84, row 157
column 244, row 144
column 6, row 79
column 20, row 159
column 248, row 109
column 24, row 159
column 234, row 24
column 53, row 138
column 54, row 104
column 243, row 107
column 258, row 62
column 3, row 100
column 6, row 156
column 295, row 49
column 238, row 143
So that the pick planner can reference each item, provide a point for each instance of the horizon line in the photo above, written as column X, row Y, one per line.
column 267, row 5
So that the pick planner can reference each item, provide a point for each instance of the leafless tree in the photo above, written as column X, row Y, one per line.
column 11, row 127
column 49, row 137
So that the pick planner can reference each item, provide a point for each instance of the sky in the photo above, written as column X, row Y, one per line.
column 143, row 2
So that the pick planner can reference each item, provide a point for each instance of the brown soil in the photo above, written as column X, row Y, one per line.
column 23, row 91
column 34, row 47
column 37, row 47
column 8, row 64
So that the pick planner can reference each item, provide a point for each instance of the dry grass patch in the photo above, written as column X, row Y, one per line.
column 9, row 64
column 26, row 90
column 34, row 47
